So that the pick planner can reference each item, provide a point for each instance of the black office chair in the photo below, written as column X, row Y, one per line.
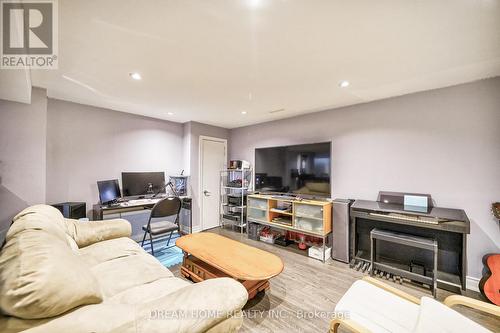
column 170, row 206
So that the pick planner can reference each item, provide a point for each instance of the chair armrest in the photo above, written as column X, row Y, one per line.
column 349, row 324
column 87, row 233
column 453, row 300
column 392, row 290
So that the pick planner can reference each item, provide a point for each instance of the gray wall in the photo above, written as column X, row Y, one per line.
column 445, row 142
column 86, row 144
column 54, row 151
column 23, row 131
column 22, row 155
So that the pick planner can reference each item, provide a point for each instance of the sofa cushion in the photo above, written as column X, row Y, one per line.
column 437, row 317
column 149, row 291
column 98, row 318
column 216, row 299
column 117, row 275
column 109, row 250
column 72, row 244
column 378, row 310
column 40, row 276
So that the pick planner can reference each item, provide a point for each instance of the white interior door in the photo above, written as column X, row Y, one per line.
column 213, row 160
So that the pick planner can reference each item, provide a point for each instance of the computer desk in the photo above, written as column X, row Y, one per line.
column 101, row 211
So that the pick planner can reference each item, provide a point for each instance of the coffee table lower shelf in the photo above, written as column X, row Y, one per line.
column 198, row 270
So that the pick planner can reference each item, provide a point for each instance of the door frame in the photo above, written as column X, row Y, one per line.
column 200, row 170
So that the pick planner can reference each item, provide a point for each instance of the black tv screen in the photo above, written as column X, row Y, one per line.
column 142, row 183
column 299, row 169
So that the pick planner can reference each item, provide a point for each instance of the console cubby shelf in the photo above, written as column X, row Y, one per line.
column 311, row 217
column 306, row 217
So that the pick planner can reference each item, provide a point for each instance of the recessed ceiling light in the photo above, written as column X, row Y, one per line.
column 243, row 112
column 170, row 113
column 254, row 3
column 135, row 76
column 344, row 84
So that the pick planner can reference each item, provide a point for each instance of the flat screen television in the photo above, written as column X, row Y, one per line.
column 142, row 183
column 300, row 169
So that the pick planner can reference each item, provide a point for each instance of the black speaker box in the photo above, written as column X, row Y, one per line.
column 72, row 210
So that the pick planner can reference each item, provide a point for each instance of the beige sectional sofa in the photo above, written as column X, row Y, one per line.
column 62, row 275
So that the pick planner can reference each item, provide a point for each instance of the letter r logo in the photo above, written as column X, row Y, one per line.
column 27, row 27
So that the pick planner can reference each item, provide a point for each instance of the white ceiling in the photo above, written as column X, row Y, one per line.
column 208, row 61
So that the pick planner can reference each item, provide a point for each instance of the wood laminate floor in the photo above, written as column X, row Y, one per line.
column 304, row 295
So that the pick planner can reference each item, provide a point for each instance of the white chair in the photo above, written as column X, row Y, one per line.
column 373, row 306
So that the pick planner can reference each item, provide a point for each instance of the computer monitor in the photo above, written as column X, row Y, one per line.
column 142, row 183
column 109, row 190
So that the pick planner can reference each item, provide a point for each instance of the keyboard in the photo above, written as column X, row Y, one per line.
column 412, row 218
column 138, row 202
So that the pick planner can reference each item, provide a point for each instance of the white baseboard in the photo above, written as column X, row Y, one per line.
column 472, row 283
column 195, row 230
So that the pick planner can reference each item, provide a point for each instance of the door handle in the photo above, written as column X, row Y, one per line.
column 207, row 193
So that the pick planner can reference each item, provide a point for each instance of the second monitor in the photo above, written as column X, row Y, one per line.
column 142, row 183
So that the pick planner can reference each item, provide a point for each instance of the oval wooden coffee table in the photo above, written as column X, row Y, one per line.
column 208, row 255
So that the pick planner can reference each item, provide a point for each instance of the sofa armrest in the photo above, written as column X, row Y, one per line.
column 194, row 308
column 453, row 300
column 87, row 233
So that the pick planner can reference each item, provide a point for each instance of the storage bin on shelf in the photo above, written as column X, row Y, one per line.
column 312, row 211
column 257, row 203
column 308, row 224
column 258, row 214
column 268, row 235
